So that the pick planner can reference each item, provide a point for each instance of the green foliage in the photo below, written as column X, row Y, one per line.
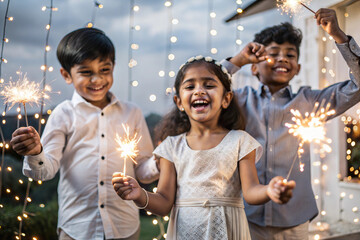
column 41, row 222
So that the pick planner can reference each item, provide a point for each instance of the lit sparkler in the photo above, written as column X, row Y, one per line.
column 310, row 128
column 23, row 91
column 128, row 145
column 293, row 6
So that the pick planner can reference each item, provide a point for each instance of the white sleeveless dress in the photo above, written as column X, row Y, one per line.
column 209, row 202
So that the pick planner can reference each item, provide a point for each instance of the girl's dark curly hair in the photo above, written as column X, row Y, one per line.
column 177, row 122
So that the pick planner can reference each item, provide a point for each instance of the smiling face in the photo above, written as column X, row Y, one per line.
column 202, row 95
column 281, row 68
column 92, row 80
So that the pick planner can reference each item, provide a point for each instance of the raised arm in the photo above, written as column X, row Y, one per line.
column 159, row 203
column 255, row 193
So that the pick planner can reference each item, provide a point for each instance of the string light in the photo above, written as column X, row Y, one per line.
column 132, row 47
column 171, row 39
column 4, row 40
column 211, row 29
column 239, row 27
column 97, row 5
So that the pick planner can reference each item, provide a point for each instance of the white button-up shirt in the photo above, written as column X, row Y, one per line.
column 79, row 139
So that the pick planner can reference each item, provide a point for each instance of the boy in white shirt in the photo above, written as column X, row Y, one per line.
column 79, row 139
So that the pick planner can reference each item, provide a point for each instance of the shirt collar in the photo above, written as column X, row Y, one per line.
column 77, row 99
column 263, row 90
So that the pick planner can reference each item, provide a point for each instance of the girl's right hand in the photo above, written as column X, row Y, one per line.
column 126, row 187
column 280, row 191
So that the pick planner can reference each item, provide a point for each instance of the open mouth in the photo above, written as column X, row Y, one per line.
column 96, row 88
column 200, row 104
column 281, row 70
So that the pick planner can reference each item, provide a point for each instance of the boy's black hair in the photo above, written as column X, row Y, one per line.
column 177, row 122
column 284, row 32
column 84, row 44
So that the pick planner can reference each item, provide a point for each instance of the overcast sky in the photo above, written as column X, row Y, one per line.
column 27, row 34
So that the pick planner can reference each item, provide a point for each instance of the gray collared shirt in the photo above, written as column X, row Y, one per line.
column 266, row 115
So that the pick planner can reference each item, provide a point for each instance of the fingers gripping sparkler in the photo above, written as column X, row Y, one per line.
column 128, row 145
column 310, row 128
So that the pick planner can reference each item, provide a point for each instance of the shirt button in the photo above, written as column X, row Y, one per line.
column 270, row 128
column 102, row 206
column 272, row 98
column 102, row 135
column 102, row 158
column 270, row 148
column 102, row 114
column 101, row 183
column 41, row 163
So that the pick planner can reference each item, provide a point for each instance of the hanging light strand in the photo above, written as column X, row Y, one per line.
column 45, row 68
column 169, row 56
column 131, row 61
column 239, row 27
column 3, row 41
column 97, row 5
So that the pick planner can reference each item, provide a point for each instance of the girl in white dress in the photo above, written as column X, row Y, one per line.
column 206, row 161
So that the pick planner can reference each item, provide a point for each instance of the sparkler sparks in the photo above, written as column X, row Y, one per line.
column 128, row 145
column 310, row 129
column 293, row 6
column 23, row 91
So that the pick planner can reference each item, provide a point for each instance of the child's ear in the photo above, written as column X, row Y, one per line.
column 177, row 101
column 66, row 75
column 227, row 99
column 298, row 70
column 254, row 69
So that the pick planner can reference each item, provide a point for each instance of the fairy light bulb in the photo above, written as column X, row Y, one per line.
column 161, row 73
column 173, row 39
column 152, row 97
column 167, row 3
column 136, row 8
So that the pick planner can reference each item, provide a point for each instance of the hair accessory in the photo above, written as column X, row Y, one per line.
column 147, row 200
column 207, row 59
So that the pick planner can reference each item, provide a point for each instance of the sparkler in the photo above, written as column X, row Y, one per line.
column 23, row 91
column 310, row 128
column 128, row 145
column 293, row 6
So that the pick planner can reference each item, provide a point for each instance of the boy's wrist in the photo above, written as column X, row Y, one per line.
column 238, row 61
column 340, row 37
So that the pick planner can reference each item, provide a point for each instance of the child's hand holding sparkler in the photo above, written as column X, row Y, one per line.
column 280, row 191
column 252, row 53
column 26, row 141
column 129, row 189
column 327, row 19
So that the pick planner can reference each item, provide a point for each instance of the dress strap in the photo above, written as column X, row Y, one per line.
column 210, row 202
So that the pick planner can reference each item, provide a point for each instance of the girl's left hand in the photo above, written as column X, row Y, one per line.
column 280, row 191
column 126, row 187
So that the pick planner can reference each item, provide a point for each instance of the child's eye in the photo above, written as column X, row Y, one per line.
column 85, row 73
column 273, row 54
column 189, row 87
column 290, row 56
column 209, row 86
column 105, row 70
